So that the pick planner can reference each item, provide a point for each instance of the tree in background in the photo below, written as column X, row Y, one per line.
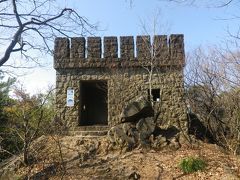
column 32, row 25
column 5, row 100
column 28, row 29
column 213, row 96
column 4, row 95
column 212, row 80
column 27, row 117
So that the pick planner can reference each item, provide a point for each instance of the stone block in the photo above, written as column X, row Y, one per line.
column 110, row 47
column 160, row 49
column 61, row 49
column 143, row 48
column 77, row 47
column 94, row 47
column 176, row 46
column 127, row 47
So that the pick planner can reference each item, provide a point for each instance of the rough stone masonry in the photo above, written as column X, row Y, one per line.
column 98, row 70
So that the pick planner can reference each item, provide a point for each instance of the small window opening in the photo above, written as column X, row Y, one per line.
column 155, row 95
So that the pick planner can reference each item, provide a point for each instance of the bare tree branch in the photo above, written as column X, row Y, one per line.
column 22, row 19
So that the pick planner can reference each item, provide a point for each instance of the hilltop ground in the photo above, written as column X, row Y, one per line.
column 95, row 158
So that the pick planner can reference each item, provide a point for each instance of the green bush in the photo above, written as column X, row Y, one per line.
column 191, row 164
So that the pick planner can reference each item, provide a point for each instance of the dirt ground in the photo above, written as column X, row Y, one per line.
column 94, row 158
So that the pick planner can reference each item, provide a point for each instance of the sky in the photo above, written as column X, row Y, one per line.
column 201, row 25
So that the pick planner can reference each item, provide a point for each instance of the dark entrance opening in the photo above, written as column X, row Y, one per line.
column 93, row 103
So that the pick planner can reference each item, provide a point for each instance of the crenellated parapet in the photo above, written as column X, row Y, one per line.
column 80, row 52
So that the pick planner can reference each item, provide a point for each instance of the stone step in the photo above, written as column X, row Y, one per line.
column 89, row 137
column 88, row 133
column 91, row 128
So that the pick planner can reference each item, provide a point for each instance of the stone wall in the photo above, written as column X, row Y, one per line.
column 127, row 76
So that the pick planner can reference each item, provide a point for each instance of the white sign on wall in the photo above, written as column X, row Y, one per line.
column 70, row 97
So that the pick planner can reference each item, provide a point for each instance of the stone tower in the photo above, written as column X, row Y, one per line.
column 97, row 77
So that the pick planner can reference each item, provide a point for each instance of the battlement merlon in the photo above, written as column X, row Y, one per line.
column 80, row 52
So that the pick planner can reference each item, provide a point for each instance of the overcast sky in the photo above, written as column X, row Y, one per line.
column 200, row 26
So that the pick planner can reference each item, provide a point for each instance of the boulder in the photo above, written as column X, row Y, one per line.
column 159, row 142
column 123, row 135
column 131, row 135
column 136, row 110
column 174, row 143
column 138, row 129
column 145, row 127
column 137, row 125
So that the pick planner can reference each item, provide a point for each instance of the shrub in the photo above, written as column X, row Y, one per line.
column 191, row 164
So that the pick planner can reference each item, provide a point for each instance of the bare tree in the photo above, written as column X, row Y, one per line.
column 32, row 25
column 212, row 94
